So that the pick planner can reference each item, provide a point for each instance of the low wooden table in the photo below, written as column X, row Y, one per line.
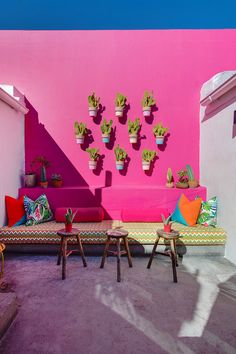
column 118, row 235
column 172, row 237
column 64, row 253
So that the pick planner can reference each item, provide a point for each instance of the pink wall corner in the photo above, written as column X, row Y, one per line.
column 58, row 69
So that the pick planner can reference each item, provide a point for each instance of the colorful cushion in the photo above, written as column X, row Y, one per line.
column 208, row 213
column 15, row 211
column 37, row 211
column 82, row 215
column 186, row 211
column 143, row 214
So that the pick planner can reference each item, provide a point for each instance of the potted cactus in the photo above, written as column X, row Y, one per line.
column 93, row 103
column 30, row 177
column 159, row 132
column 93, row 155
column 192, row 182
column 133, row 128
column 106, row 130
column 183, row 179
column 167, row 223
column 69, row 217
column 147, row 102
column 56, row 180
column 147, row 157
column 120, row 155
column 170, row 182
column 43, row 164
column 80, row 132
column 120, row 103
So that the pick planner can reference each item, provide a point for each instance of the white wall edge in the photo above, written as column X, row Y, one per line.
column 12, row 102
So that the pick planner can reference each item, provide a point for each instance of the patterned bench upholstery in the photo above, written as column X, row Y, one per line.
column 95, row 233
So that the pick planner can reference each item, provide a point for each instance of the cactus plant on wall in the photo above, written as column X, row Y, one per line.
column 159, row 131
column 120, row 103
column 147, row 157
column 80, row 132
column 106, row 130
column 133, row 129
column 120, row 155
column 147, row 102
column 93, row 157
column 192, row 182
column 93, row 103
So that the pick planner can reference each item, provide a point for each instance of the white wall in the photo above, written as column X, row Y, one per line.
column 218, row 163
column 11, row 154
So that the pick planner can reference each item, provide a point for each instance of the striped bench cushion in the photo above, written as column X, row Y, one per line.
column 95, row 233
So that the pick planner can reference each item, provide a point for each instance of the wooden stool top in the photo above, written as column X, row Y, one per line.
column 117, row 233
column 173, row 235
column 2, row 247
column 64, row 233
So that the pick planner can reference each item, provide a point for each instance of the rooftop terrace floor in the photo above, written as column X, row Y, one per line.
column 89, row 312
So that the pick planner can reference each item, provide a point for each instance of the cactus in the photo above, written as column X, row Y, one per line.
column 93, row 101
column 93, row 153
column 169, row 175
column 148, row 155
column 148, row 99
column 183, row 176
column 159, row 130
column 43, row 176
column 166, row 221
column 133, row 127
column 106, row 126
column 120, row 153
column 69, row 216
column 190, row 173
column 120, row 100
column 80, row 128
column 43, row 163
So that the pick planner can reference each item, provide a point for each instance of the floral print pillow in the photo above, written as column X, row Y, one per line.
column 37, row 211
column 208, row 213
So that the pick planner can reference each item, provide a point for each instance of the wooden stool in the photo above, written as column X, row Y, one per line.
column 117, row 234
column 172, row 237
column 63, row 248
column 2, row 248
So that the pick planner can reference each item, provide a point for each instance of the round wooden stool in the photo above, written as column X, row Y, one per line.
column 118, row 235
column 171, row 237
column 2, row 248
column 64, row 253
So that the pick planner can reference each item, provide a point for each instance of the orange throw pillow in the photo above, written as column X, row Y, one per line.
column 186, row 211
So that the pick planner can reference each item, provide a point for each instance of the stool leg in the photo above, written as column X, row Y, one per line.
column 176, row 254
column 153, row 253
column 64, row 251
column 118, row 259
column 126, row 243
column 81, row 250
column 105, row 252
column 173, row 259
column 60, row 251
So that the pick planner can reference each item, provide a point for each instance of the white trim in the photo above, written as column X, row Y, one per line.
column 12, row 102
column 221, row 90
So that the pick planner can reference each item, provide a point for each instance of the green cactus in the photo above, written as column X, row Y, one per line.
column 80, row 128
column 93, row 101
column 166, row 221
column 69, row 216
column 190, row 173
column 148, row 99
column 148, row 155
column 159, row 130
column 120, row 100
column 106, row 126
column 93, row 153
column 133, row 127
column 43, row 164
column 169, row 175
column 120, row 153
column 43, row 176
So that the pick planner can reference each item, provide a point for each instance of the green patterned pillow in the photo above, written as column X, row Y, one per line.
column 208, row 212
column 37, row 211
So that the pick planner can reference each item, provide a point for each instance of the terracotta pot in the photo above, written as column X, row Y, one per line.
column 146, row 165
column 79, row 138
column 193, row 184
column 68, row 227
column 120, row 165
column 105, row 138
column 92, row 165
column 30, row 180
column 181, row 185
column 147, row 111
column 133, row 138
column 43, row 184
column 170, row 185
column 57, row 183
column 160, row 140
column 119, row 111
column 167, row 228
column 93, row 112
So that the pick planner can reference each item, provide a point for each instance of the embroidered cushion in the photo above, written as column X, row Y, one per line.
column 37, row 211
column 208, row 213
column 15, row 211
column 186, row 211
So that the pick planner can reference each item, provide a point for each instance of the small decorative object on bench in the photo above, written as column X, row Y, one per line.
column 120, row 103
column 167, row 223
column 44, row 164
column 56, row 180
column 80, row 132
column 30, row 177
column 121, row 155
column 69, row 216
column 94, row 155
column 147, row 102
column 159, row 132
column 192, row 182
column 183, row 179
column 133, row 129
column 106, row 128
column 93, row 102
column 170, row 182
column 147, row 157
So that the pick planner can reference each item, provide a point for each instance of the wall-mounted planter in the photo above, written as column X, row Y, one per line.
column 146, row 111
column 79, row 138
column 160, row 140
column 133, row 138
column 92, row 165
column 105, row 138
column 93, row 112
column 146, row 165
column 119, row 111
column 120, row 165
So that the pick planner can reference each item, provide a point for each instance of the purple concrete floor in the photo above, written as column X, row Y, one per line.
column 90, row 312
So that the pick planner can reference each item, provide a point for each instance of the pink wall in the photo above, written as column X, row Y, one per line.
column 58, row 69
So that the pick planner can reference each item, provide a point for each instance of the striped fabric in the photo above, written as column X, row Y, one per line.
column 95, row 233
